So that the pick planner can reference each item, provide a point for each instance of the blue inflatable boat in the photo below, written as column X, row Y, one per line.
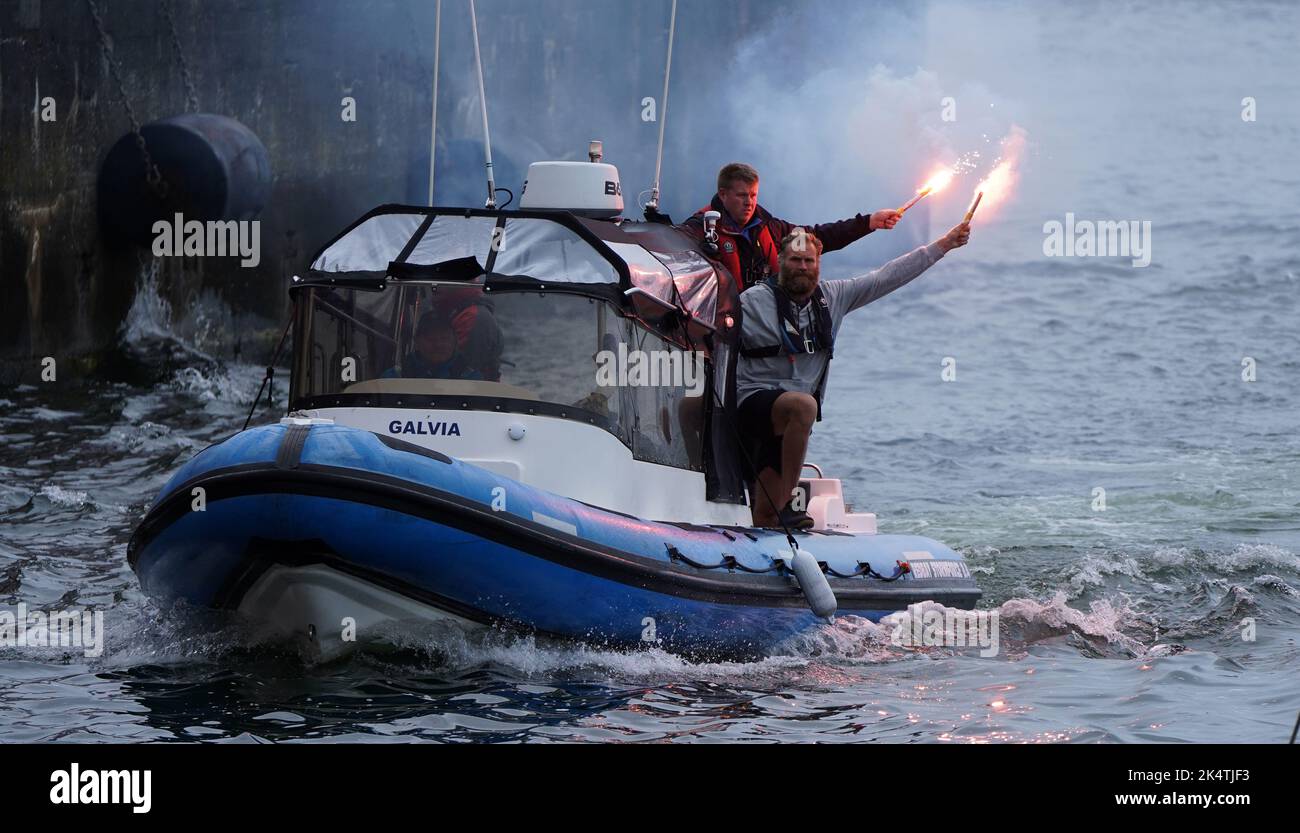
column 316, row 525
column 520, row 419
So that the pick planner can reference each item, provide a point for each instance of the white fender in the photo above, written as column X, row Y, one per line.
column 812, row 581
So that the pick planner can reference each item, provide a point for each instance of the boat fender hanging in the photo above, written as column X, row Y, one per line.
column 812, row 581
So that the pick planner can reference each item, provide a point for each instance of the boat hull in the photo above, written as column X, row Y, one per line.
column 337, row 534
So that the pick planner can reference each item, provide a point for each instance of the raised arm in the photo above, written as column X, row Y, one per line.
column 899, row 272
column 839, row 235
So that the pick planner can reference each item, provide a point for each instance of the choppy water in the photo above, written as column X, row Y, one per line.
column 1073, row 375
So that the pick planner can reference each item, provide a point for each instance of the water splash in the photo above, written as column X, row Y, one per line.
column 1029, row 620
column 60, row 496
column 148, row 333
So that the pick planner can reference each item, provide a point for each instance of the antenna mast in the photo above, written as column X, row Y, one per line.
column 653, row 204
column 482, row 97
column 433, row 127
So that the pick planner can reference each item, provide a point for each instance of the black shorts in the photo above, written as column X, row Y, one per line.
column 755, row 417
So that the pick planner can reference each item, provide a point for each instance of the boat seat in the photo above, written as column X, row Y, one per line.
column 825, row 503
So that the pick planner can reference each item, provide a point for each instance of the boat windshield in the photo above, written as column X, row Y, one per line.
column 519, row 350
column 530, row 247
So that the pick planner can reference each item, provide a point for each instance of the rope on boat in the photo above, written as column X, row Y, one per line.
column 270, row 368
column 865, row 569
column 731, row 564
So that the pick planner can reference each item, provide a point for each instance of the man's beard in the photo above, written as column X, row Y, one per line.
column 798, row 282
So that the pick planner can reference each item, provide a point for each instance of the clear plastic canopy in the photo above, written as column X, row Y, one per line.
column 521, row 247
column 411, row 243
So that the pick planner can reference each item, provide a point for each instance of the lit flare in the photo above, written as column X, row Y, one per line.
column 935, row 183
column 1000, row 183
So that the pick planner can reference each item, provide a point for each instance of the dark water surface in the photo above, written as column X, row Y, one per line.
column 1074, row 374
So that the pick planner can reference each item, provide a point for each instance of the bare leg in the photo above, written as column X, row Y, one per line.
column 793, row 415
column 794, row 443
column 769, row 482
column 799, row 410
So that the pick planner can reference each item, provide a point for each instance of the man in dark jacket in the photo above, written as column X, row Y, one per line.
column 748, row 236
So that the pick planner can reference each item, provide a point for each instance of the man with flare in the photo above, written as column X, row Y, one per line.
column 787, row 339
column 748, row 234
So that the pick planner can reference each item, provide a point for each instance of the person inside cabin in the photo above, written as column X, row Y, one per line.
column 787, row 338
column 436, row 354
column 748, row 234
column 478, row 335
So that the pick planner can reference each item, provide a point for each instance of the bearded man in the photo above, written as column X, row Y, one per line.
column 787, row 339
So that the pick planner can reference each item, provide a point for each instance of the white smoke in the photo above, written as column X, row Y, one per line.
column 857, row 122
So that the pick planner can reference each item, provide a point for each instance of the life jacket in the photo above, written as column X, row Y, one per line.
column 794, row 340
column 462, row 323
column 465, row 306
column 460, row 304
column 760, row 257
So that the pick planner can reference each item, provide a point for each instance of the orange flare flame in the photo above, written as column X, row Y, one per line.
column 935, row 183
column 1000, row 182
column 938, row 182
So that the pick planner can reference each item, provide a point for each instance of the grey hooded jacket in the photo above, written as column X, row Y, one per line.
column 760, row 325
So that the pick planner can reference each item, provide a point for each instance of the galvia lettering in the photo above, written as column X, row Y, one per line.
column 426, row 428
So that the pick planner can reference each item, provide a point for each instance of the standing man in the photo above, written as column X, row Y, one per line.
column 748, row 234
column 787, row 339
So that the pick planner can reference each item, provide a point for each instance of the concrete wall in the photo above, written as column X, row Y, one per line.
column 559, row 72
